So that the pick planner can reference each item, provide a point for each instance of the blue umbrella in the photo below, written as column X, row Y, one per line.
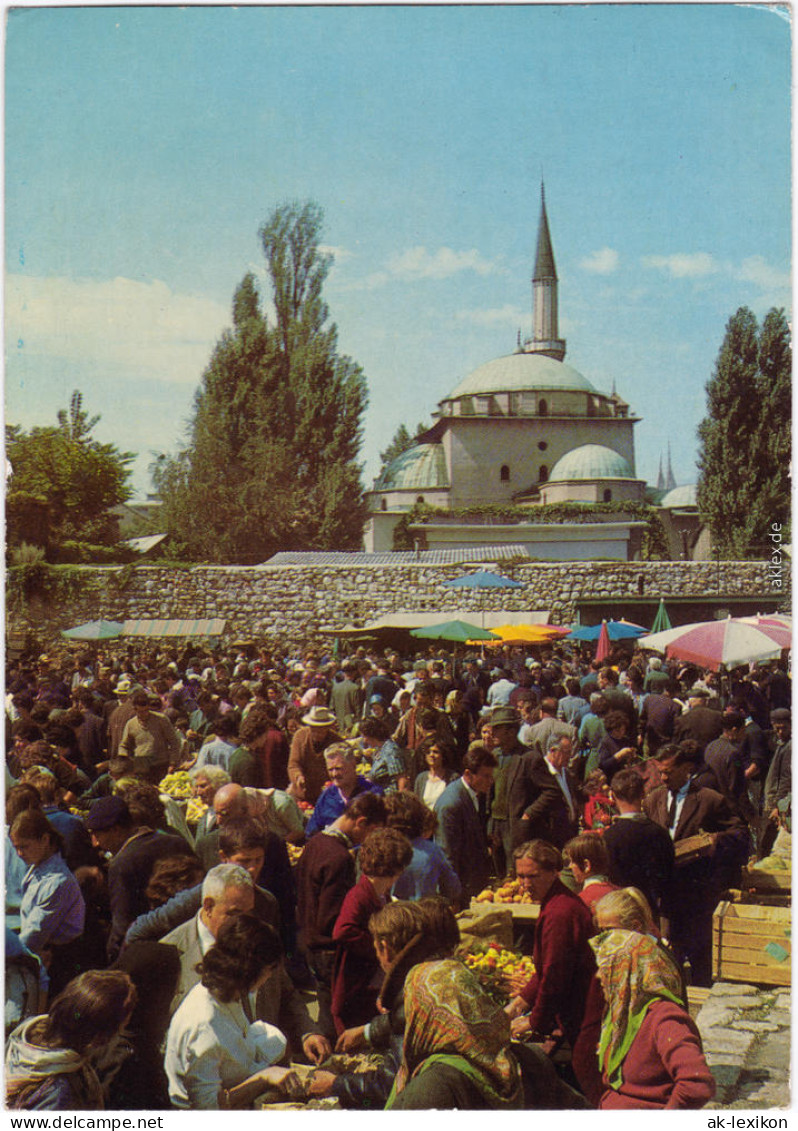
column 482, row 579
column 616, row 629
column 95, row 630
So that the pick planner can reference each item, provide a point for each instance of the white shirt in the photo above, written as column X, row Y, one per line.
column 211, row 1045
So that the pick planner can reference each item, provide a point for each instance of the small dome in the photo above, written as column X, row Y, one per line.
column 422, row 467
column 521, row 371
column 591, row 461
column 686, row 496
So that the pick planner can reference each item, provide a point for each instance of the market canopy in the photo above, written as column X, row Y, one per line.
column 94, row 630
column 213, row 626
column 459, row 631
column 482, row 579
column 528, row 633
column 616, row 630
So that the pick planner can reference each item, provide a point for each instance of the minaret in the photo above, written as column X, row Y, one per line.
column 660, row 477
column 544, row 294
column 670, row 480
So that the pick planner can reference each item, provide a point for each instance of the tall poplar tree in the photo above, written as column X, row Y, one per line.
column 271, row 459
column 745, row 436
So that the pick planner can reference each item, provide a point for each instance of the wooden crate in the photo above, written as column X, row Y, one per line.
column 528, row 911
column 751, row 943
column 754, row 879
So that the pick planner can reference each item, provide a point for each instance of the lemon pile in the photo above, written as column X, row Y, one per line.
column 294, row 852
column 177, row 785
column 195, row 810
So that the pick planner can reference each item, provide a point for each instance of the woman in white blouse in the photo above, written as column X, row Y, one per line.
column 431, row 783
column 213, row 1042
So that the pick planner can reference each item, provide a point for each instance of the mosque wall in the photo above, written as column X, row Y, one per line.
column 291, row 605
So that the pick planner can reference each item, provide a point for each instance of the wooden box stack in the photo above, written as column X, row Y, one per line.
column 751, row 943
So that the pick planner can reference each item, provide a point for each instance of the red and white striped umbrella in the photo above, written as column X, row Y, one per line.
column 719, row 643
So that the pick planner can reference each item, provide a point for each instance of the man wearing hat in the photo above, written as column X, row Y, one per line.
column 121, row 714
column 699, row 722
column 307, row 769
column 513, row 787
column 133, row 850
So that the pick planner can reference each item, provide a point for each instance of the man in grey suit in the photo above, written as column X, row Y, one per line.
column 228, row 890
column 462, row 819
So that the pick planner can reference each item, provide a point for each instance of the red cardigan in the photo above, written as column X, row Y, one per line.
column 665, row 1066
column 354, row 998
column 564, row 963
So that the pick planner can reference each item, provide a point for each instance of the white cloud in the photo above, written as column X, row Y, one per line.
column 117, row 322
column 507, row 315
column 339, row 254
column 683, row 265
column 601, row 262
column 420, row 263
column 757, row 270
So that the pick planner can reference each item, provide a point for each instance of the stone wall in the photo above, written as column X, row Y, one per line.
column 290, row 605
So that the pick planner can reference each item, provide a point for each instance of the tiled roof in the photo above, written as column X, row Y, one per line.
column 476, row 554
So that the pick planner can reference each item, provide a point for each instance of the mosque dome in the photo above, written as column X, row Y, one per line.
column 686, row 496
column 591, row 461
column 519, row 372
column 422, row 467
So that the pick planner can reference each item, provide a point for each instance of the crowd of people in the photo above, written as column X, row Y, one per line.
column 174, row 951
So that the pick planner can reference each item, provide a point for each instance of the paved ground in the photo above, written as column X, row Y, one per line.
column 746, row 1035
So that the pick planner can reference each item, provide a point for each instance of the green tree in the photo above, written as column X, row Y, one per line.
column 63, row 485
column 402, row 440
column 270, row 461
column 745, row 437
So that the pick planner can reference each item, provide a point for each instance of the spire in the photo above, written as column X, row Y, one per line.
column 544, row 256
column 670, row 479
column 544, row 338
column 660, row 477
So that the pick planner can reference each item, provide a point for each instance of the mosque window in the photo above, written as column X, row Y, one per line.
column 466, row 406
column 543, row 474
column 419, row 498
column 543, row 408
column 504, row 474
column 384, row 504
column 607, row 495
column 542, row 445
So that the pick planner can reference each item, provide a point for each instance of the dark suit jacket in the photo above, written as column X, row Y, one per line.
column 549, row 817
column 128, row 875
column 461, row 835
column 702, row 724
column 641, row 856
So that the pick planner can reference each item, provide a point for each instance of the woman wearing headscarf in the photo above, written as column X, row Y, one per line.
column 52, row 1060
column 456, row 1047
column 650, row 1049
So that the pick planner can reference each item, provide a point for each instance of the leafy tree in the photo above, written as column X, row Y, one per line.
column 745, row 437
column 270, row 460
column 63, row 485
column 402, row 440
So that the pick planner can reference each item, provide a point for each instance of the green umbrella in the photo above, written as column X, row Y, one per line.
column 94, row 630
column 662, row 621
column 459, row 631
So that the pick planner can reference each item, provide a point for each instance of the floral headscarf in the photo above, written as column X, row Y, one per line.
column 634, row 972
column 450, row 1018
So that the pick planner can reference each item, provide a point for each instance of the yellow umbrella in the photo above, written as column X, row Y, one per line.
column 528, row 633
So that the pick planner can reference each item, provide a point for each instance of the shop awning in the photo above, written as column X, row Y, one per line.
column 213, row 626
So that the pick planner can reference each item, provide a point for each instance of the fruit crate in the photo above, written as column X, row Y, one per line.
column 751, row 943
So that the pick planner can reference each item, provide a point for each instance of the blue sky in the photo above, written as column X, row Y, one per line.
column 145, row 147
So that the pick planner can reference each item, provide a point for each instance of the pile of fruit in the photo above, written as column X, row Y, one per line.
column 509, row 892
column 177, row 785
column 493, row 963
column 294, row 852
column 195, row 810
